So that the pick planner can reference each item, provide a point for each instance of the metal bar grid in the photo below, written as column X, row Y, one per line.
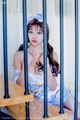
column 45, row 56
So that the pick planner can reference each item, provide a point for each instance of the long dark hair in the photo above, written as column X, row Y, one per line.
column 54, row 64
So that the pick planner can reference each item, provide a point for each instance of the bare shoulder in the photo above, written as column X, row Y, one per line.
column 55, row 56
column 18, row 55
column 18, row 59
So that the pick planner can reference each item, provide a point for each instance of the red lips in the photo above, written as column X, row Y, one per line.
column 34, row 40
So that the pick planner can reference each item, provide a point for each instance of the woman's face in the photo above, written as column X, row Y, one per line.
column 35, row 35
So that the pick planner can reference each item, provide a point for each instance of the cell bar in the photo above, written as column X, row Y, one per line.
column 25, row 41
column 6, row 89
column 76, row 62
column 61, row 59
column 45, row 59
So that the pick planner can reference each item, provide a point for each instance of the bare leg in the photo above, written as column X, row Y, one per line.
column 70, row 114
column 79, row 111
column 69, row 104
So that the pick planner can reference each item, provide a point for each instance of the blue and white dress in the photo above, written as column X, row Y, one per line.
column 37, row 88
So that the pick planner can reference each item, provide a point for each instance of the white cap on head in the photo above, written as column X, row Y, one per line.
column 39, row 17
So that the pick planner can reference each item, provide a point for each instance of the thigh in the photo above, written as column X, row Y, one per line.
column 70, row 114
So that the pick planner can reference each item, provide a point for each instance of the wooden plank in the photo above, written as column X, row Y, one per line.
column 16, row 94
column 36, row 106
column 36, row 111
column 17, row 100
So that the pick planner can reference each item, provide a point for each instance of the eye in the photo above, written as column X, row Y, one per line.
column 39, row 32
column 30, row 31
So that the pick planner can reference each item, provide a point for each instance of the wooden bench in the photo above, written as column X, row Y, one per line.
column 17, row 108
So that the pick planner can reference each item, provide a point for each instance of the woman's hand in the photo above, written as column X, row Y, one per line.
column 51, row 80
column 40, row 59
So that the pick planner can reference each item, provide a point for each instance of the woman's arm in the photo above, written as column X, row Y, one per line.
column 17, row 60
column 51, row 80
column 19, row 65
column 20, row 80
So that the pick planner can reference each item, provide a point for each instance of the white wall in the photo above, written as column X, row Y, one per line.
column 1, row 45
column 15, row 37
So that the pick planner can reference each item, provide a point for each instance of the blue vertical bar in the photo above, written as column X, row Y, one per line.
column 45, row 59
column 25, row 41
column 5, row 49
column 61, row 59
column 76, row 62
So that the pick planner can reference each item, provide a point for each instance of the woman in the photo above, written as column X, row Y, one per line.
column 36, row 67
